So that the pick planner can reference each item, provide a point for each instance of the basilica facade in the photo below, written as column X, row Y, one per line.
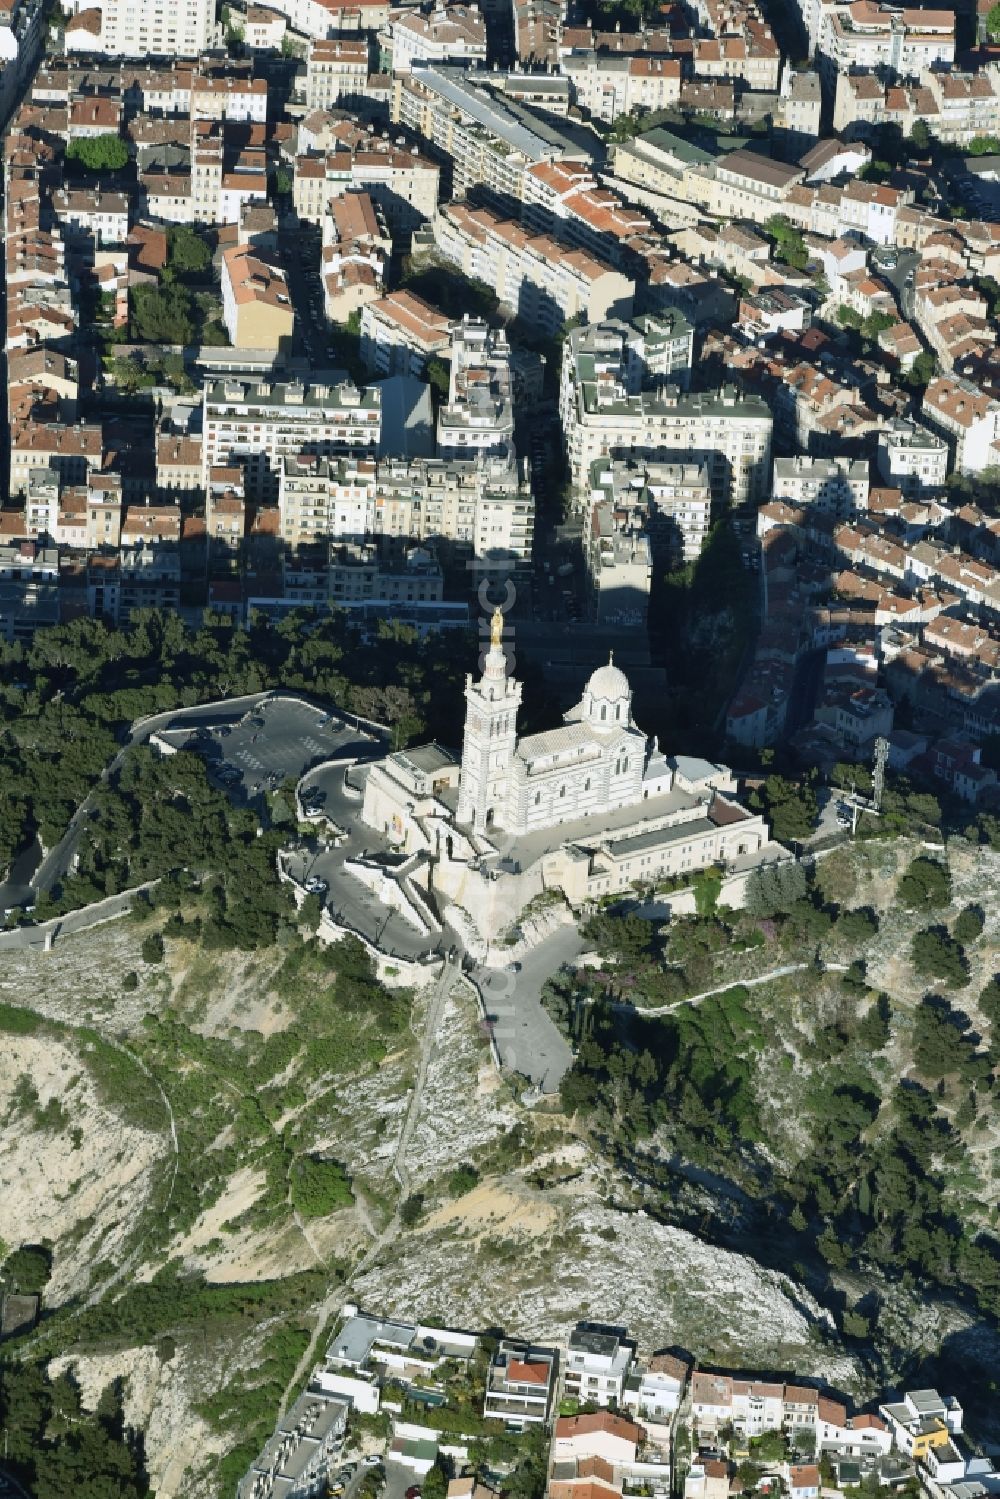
column 596, row 763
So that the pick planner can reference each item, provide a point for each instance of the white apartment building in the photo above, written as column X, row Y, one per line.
column 331, row 18
column 542, row 281
column 485, row 141
column 672, row 502
column 833, row 486
column 865, row 35
column 654, row 1393
column 922, row 1420
column 521, row 1383
column 968, row 418
column 400, row 333
column 607, row 85
column 322, row 498
column 448, row 33
column 144, row 28
column 259, row 424
column 912, row 458
column 478, row 416
column 620, row 394
column 727, row 432
column 336, row 71
column 597, row 1364
column 100, row 218
column 479, row 505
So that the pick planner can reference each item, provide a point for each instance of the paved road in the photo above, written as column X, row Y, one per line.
column 75, row 921
column 527, row 1038
column 908, row 261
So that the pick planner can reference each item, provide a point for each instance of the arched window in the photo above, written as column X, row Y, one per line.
column 604, row 711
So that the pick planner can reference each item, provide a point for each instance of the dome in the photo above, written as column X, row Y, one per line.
column 608, row 684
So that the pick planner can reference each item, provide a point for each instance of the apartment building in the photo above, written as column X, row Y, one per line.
column 336, row 72
column 744, row 184
column 400, row 333
column 446, row 34
column 479, row 505
column 73, row 451
column 727, row 432
column 922, row 1421
column 597, row 1365
column 865, row 35
column 606, row 85
column 357, row 247
column 29, row 589
column 300, row 1454
column 259, row 423
column 521, row 1384
column 328, row 19
column 477, row 420
column 403, row 183
column 256, row 305
column 23, row 25
column 564, row 198
column 542, row 281
column 911, row 458
column 619, row 393
column 968, row 418
column 670, row 502
column 487, row 141
column 320, row 498
column 655, row 1392
column 90, row 218
column 154, row 28
column 829, row 486
column 362, row 573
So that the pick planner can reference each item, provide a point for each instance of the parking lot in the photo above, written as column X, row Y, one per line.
column 252, row 753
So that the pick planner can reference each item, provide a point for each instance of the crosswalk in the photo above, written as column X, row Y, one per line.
column 249, row 760
column 313, row 746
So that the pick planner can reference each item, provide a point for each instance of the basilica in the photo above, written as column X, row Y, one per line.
column 591, row 808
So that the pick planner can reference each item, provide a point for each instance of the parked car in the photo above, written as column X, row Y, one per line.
column 315, row 886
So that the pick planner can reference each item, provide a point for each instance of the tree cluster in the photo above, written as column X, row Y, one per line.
column 98, row 153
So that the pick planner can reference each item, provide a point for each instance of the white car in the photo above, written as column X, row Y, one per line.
column 316, row 886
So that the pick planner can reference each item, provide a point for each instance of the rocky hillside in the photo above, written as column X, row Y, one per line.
column 156, row 1120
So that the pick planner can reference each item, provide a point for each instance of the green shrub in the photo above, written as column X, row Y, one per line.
column 462, row 1180
column 409, row 1213
column 926, row 885
column 152, row 948
column 99, row 153
column 969, row 924
column 319, row 1187
column 935, row 954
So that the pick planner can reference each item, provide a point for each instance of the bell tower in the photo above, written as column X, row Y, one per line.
column 490, row 737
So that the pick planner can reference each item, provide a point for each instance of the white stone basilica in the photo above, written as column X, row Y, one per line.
column 596, row 763
column 590, row 809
